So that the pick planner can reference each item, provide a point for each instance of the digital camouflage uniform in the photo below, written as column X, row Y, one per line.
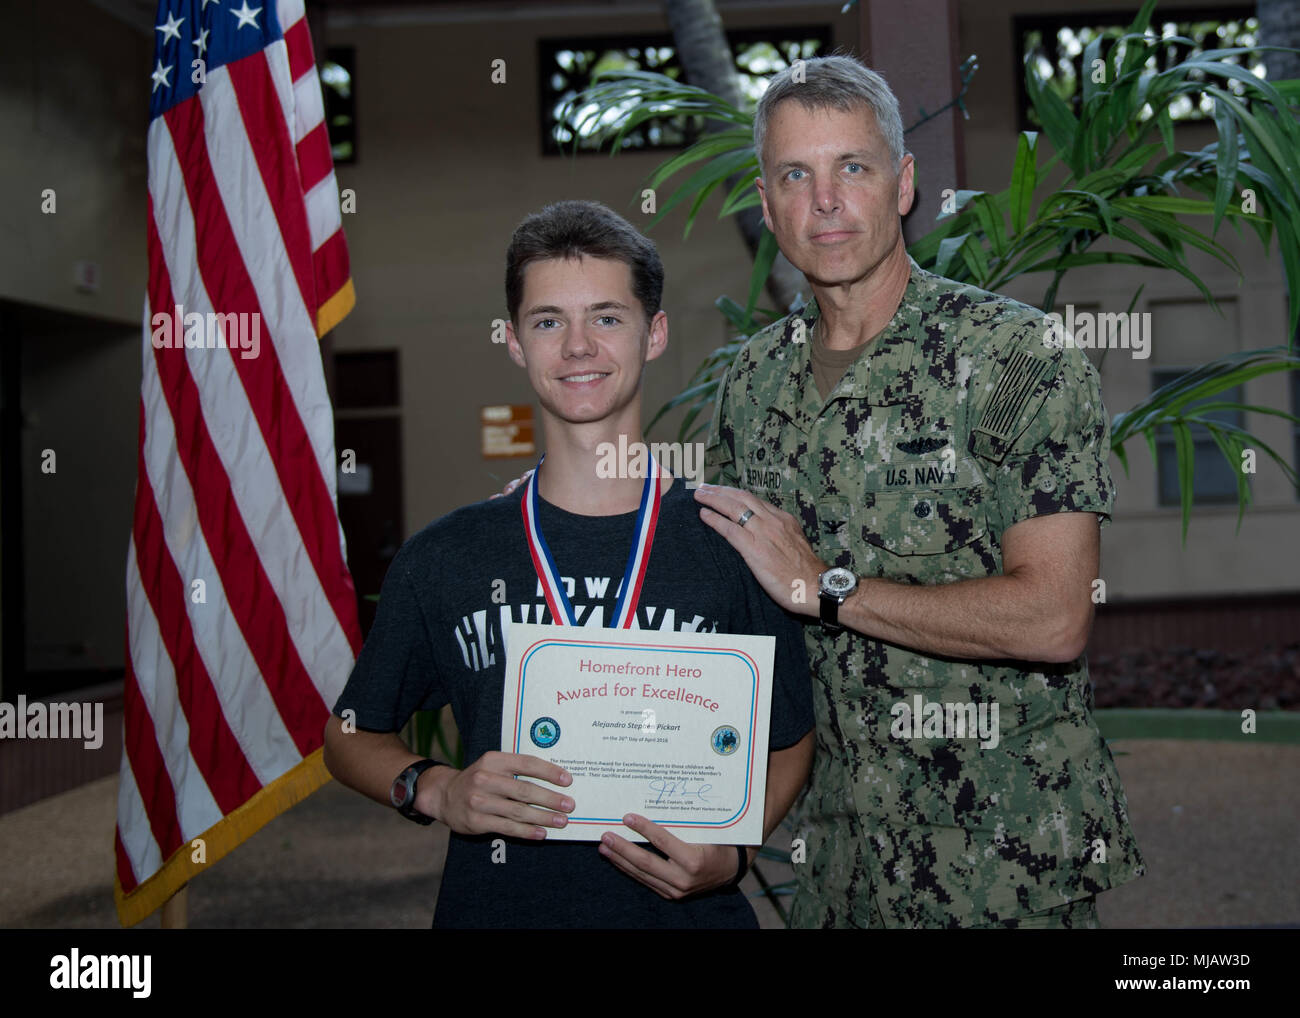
column 957, row 422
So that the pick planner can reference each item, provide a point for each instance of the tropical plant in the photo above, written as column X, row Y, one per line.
column 1114, row 175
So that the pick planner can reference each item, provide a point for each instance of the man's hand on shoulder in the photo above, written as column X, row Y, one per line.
column 770, row 541
column 689, row 869
column 488, row 797
column 512, row 485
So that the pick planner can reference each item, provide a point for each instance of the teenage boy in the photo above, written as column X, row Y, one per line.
column 583, row 289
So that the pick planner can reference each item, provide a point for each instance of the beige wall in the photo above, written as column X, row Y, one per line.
column 74, row 98
column 74, row 93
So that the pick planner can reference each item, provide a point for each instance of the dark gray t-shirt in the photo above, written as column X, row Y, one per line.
column 437, row 640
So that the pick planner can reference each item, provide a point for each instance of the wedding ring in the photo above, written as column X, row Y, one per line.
column 744, row 517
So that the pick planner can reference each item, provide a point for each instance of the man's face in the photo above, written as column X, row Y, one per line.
column 583, row 337
column 831, row 196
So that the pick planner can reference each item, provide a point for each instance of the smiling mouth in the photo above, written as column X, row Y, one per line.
column 590, row 376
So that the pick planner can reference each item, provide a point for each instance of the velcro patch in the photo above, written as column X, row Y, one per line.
column 1000, row 419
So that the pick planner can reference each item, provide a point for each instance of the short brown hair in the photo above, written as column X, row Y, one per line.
column 572, row 229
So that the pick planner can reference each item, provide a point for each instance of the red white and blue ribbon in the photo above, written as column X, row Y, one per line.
column 638, row 559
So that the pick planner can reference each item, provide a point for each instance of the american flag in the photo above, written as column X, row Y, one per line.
column 241, row 615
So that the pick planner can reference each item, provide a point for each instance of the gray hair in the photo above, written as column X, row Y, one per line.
column 839, row 82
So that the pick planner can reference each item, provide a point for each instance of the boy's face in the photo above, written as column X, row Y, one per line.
column 831, row 196
column 583, row 337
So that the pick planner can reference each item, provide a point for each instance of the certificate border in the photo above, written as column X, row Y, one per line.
column 736, row 818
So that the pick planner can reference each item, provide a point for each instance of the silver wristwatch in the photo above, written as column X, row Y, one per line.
column 833, row 587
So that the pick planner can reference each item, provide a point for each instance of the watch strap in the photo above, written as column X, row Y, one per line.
column 830, row 612
column 741, row 869
column 411, row 777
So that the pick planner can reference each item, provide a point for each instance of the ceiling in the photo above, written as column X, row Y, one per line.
column 141, row 13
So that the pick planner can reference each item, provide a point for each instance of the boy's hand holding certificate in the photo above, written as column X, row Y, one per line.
column 672, row 726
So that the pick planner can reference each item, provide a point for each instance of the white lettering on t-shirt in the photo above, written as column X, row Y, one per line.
column 480, row 638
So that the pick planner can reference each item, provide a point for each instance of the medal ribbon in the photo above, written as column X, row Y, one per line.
column 638, row 558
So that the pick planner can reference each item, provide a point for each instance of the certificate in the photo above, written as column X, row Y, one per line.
column 669, row 725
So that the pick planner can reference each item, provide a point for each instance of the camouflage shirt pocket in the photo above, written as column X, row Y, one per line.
column 924, row 536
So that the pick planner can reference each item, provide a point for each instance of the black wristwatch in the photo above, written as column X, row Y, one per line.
column 833, row 587
column 402, row 794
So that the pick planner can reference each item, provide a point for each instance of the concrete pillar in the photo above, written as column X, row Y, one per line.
column 915, row 47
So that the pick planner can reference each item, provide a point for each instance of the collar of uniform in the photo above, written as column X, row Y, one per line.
column 796, row 397
column 883, row 375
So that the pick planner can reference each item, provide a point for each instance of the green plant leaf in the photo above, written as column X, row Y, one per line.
column 1078, row 259
column 1122, row 455
column 949, row 248
column 1165, row 122
column 1229, row 445
column 710, row 175
column 1185, row 449
column 1059, row 123
column 735, row 314
column 1209, row 379
column 702, row 393
column 1101, row 204
column 742, row 196
column 991, row 223
column 1024, row 178
column 763, row 259
column 976, row 259
column 1225, row 161
column 1091, row 53
column 706, row 148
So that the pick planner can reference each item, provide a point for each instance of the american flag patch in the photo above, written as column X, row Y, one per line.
column 1019, row 379
column 1001, row 419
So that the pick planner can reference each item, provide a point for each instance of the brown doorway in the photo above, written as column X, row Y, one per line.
column 368, row 442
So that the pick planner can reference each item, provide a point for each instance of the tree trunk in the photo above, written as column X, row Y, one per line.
column 1279, row 25
column 707, row 62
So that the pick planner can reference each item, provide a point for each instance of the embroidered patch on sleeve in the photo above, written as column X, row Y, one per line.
column 1000, row 420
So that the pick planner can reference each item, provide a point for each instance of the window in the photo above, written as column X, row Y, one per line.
column 338, row 78
column 566, row 67
column 1214, row 479
column 1057, row 42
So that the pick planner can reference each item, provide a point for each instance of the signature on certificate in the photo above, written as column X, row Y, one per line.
column 680, row 789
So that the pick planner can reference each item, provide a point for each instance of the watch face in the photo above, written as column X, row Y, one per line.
column 838, row 581
column 399, row 792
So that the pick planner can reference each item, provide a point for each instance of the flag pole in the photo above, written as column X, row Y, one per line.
column 176, row 910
